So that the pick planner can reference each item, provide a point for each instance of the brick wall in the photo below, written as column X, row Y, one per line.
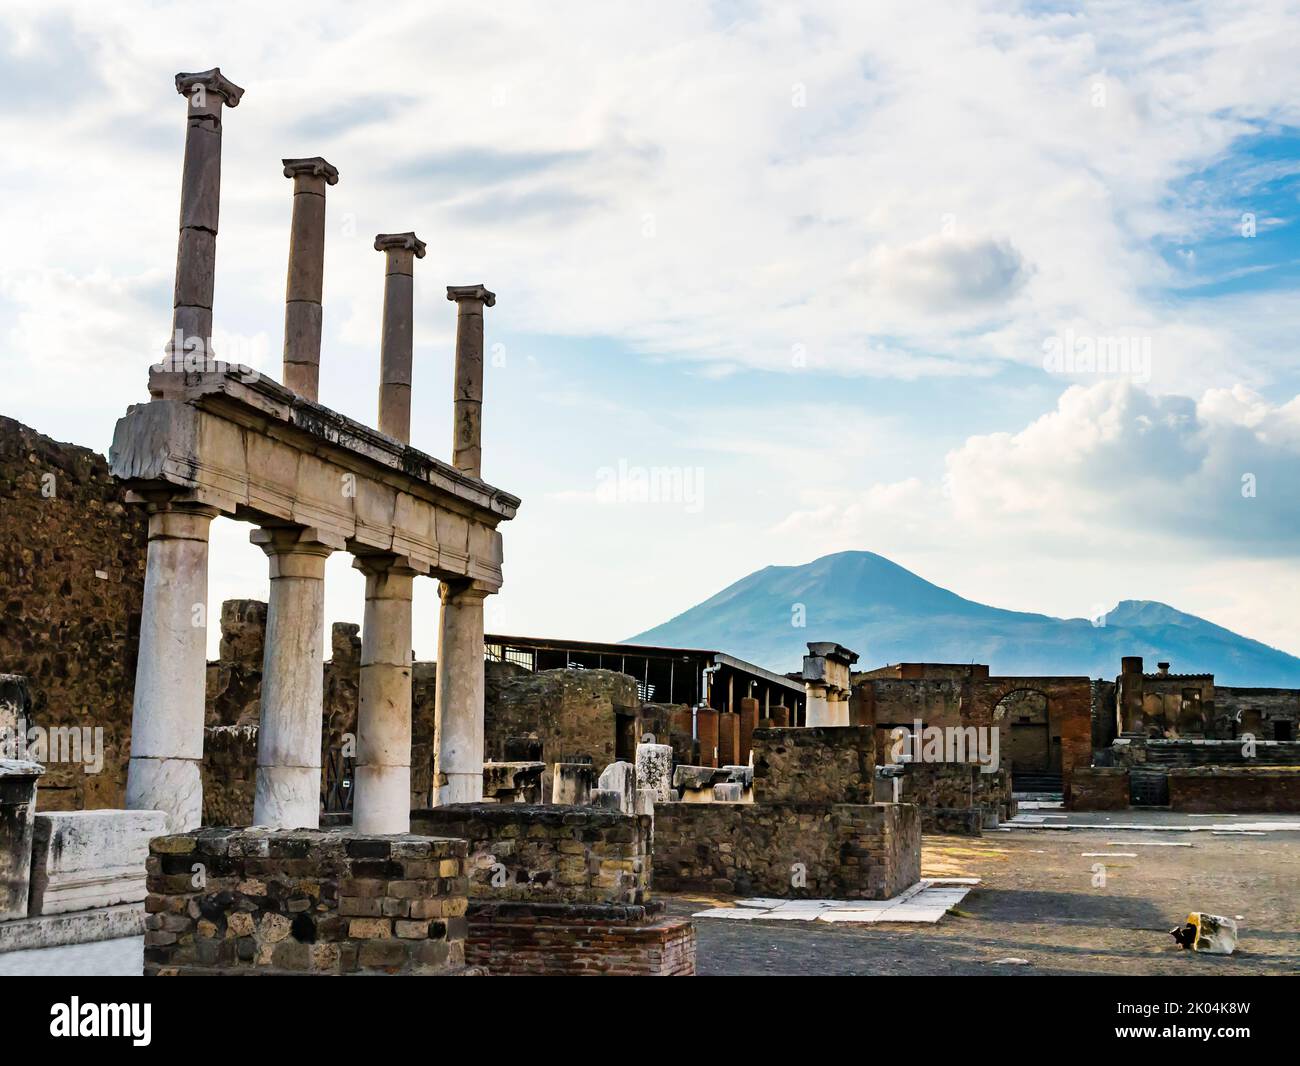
column 814, row 765
column 567, row 940
column 545, row 853
column 72, row 555
column 1099, row 788
column 1235, row 789
column 842, row 851
column 304, row 902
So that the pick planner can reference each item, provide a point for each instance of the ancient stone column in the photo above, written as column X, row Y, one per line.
column 382, row 797
column 817, row 703
column 467, row 426
column 305, row 284
column 171, row 668
column 401, row 250
column 196, row 254
column 458, row 695
column 287, row 794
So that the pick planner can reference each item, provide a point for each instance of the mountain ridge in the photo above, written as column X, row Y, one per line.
column 889, row 614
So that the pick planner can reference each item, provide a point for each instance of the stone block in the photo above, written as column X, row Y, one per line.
column 654, row 770
column 620, row 777
column 85, row 859
column 18, row 779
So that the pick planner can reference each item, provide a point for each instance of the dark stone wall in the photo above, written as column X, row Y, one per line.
column 72, row 557
column 818, row 764
column 545, row 853
column 837, row 851
column 304, row 902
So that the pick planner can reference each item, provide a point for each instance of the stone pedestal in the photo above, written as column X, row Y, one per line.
column 458, row 696
column 85, row 859
column 383, row 771
column 571, row 783
column 289, row 739
column 654, row 770
column 18, row 779
column 171, row 669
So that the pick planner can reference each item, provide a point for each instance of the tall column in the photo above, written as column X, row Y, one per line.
column 171, row 669
column 305, row 284
column 196, row 254
column 287, row 795
column 382, row 797
column 400, row 252
column 458, row 695
column 467, row 428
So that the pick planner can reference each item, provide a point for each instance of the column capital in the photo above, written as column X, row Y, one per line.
column 400, row 242
column 463, row 590
column 315, row 167
column 458, row 293
column 295, row 540
column 387, row 563
column 211, row 81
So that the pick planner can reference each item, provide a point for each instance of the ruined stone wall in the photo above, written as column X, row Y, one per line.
column 1256, row 710
column 304, row 902
column 547, row 853
column 72, row 559
column 572, row 712
column 788, row 850
column 818, row 764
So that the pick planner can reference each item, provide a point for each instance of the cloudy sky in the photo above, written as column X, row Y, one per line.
column 1004, row 292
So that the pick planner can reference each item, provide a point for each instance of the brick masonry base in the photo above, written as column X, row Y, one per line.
column 575, row 940
column 253, row 901
column 1235, row 789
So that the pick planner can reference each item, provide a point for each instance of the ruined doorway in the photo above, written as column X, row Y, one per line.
column 1027, row 729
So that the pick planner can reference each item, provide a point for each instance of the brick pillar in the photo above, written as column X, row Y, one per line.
column 780, row 715
column 748, row 723
column 728, row 739
column 706, row 727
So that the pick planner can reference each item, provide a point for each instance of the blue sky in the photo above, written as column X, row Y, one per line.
column 808, row 265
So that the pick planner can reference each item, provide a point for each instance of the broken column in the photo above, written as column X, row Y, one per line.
column 400, row 252
column 303, row 289
column 458, row 695
column 827, row 682
column 207, row 92
column 381, row 802
column 287, row 794
column 467, row 427
column 171, row 667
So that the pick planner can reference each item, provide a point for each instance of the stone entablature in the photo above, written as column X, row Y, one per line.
column 248, row 447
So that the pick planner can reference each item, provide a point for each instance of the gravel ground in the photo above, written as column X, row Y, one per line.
column 1037, row 902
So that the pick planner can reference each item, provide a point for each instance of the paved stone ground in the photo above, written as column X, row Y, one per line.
column 1037, row 902
column 103, row 958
